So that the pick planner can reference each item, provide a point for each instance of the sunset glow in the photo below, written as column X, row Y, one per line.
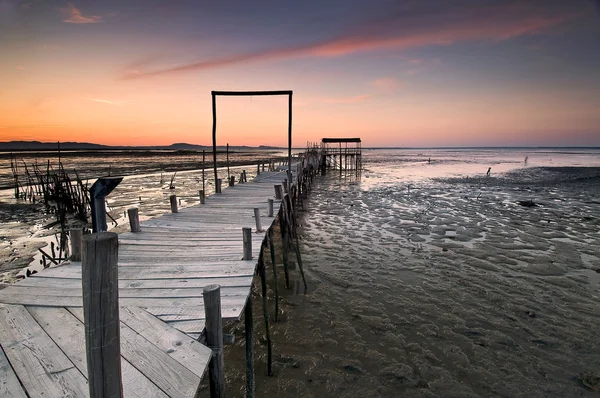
column 410, row 73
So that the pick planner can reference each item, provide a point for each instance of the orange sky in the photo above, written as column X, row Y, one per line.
column 142, row 74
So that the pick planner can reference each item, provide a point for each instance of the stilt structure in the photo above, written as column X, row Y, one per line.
column 341, row 154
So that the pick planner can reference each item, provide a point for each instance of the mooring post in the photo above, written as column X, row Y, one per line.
column 101, row 314
column 247, row 239
column 202, row 197
column 218, row 185
column 257, row 219
column 214, row 339
column 270, row 207
column 278, row 192
column 134, row 219
column 231, row 181
column 75, row 235
column 249, row 349
column 173, row 200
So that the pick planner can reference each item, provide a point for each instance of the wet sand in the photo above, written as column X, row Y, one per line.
column 450, row 288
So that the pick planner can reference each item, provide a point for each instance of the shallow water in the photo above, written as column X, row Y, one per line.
column 443, row 287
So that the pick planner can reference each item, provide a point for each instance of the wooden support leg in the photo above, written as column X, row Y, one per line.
column 249, row 349
column 263, row 283
column 276, row 283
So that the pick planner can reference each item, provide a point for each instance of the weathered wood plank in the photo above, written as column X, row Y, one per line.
column 68, row 333
column 9, row 383
column 169, row 375
column 43, row 369
column 235, row 281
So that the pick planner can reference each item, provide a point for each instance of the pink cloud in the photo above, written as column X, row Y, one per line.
column 74, row 15
column 494, row 24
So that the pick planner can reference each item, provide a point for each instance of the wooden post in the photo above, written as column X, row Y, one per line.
column 244, row 179
column 214, row 339
column 173, row 200
column 76, row 235
column 228, row 175
column 284, row 242
column 249, row 349
column 285, row 185
column 263, row 167
column 231, row 181
column 99, row 275
column 275, row 284
column 134, row 219
column 263, row 284
column 257, row 219
column 202, row 197
column 247, row 239
column 278, row 192
column 258, row 169
column 270, row 207
column 203, row 167
column 218, row 185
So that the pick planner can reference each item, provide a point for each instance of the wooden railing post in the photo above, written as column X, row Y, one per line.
column 214, row 339
column 231, row 181
column 76, row 235
column 270, row 207
column 101, row 314
column 173, row 200
column 202, row 197
column 247, row 239
column 218, row 185
column 285, row 186
column 278, row 192
column 257, row 219
column 134, row 219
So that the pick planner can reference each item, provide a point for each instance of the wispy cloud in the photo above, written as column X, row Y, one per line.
column 74, row 15
column 399, row 31
column 348, row 100
column 385, row 84
column 107, row 102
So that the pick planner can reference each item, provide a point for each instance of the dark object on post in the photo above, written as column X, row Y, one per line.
column 173, row 200
column 247, row 239
column 76, row 235
column 98, row 192
column 134, row 219
column 214, row 339
column 101, row 314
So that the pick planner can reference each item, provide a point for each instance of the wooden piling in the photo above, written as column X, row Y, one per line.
column 249, row 348
column 173, row 200
column 218, row 184
column 76, row 235
column 275, row 284
column 101, row 314
column 214, row 339
column 285, row 248
column 231, row 181
column 278, row 192
column 257, row 219
column 247, row 239
column 258, row 169
column 134, row 219
column 263, row 285
column 202, row 197
column 285, row 186
column 270, row 207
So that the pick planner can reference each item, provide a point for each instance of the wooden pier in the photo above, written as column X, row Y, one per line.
column 162, row 273
column 341, row 154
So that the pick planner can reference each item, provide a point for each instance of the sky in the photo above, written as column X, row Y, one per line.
column 394, row 73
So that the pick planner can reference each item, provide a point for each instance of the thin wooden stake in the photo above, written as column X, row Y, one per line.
column 101, row 314
column 214, row 339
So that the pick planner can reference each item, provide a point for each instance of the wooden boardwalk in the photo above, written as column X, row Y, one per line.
column 162, row 272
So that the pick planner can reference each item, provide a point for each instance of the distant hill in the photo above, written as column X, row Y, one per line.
column 11, row 146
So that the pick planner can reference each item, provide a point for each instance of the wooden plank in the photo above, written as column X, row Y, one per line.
column 9, row 383
column 43, row 369
column 123, row 293
column 68, row 333
column 236, row 281
column 176, row 344
column 169, row 375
